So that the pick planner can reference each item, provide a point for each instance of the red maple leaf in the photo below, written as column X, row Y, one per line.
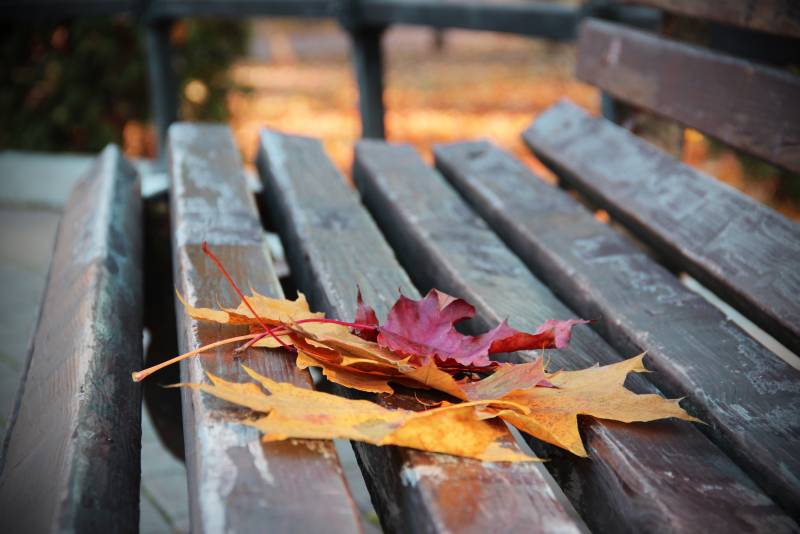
column 425, row 328
column 365, row 315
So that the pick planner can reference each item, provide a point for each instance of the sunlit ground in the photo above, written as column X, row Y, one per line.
column 475, row 85
column 299, row 79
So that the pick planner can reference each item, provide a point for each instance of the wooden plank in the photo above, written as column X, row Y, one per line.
column 549, row 21
column 739, row 248
column 71, row 458
column 747, row 105
column 780, row 17
column 658, row 476
column 334, row 246
column 749, row 397
column 236, row 482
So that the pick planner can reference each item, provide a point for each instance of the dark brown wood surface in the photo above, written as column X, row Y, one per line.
column 780, row 17
column 333, row 246
column 749, row 106
column 236, row 482
column 749, row 397
column 640, row 477
column 71, row 457
column 745, row 252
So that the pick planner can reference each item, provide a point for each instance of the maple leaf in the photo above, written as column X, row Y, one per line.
column 272, row 311
column 365, row 315
column 507, row 378
column 597, row 391
column 293, row 412
column 425, row 328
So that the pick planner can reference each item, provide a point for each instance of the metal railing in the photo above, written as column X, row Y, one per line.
column 365, row 21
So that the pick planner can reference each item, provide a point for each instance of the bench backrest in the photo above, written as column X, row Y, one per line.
column 750, row 106
column 742, row 250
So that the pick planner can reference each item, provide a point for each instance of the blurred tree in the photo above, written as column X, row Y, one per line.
column 75, row 85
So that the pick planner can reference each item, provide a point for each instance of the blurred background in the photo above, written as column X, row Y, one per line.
column 74, row 86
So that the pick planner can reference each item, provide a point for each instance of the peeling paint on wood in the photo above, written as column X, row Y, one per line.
column 237, row 483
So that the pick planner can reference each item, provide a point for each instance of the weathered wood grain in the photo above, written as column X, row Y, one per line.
column 71, row 457
column 661, row 476
column 749, row 397
column 745, row 252
column 334, row 246
column 780, row 17
column 236, row 482
column 747, row 105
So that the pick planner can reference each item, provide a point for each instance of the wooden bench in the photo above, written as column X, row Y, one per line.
column 70, row 461
column 479, row 225
column 667, row 475
column 745, row 252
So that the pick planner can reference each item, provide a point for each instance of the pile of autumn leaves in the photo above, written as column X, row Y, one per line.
column 418, row 347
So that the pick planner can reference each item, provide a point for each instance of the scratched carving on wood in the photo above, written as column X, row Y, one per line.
column 419, row 347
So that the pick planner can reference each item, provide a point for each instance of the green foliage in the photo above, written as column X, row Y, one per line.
column 74, row 85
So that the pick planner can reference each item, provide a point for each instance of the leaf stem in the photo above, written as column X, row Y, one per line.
column 359, row 326
column 267, row 329
column 138, row 376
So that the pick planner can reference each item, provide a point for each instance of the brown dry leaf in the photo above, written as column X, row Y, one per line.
column 293, row 412
column 431, row 376
column 507, row 378
column 347, row 377
column 339, row 338
column 349, row 371
column 596, row 391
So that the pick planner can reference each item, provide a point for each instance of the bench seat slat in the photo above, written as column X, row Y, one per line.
column 745, row 104
column 333, row 246
column 71, row 458
column 236, row 482
column 749, row 397
column 742, row 250
column 639, row 477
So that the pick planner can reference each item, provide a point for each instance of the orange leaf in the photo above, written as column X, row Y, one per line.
column 597, row 391
column 292, row 412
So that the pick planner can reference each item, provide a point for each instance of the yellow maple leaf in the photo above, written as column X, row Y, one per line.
column 598, row 392
column 272, row 311
column 293, row 412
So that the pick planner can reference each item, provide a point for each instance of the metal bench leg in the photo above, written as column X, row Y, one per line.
column 163, row 86
column 368, row 62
